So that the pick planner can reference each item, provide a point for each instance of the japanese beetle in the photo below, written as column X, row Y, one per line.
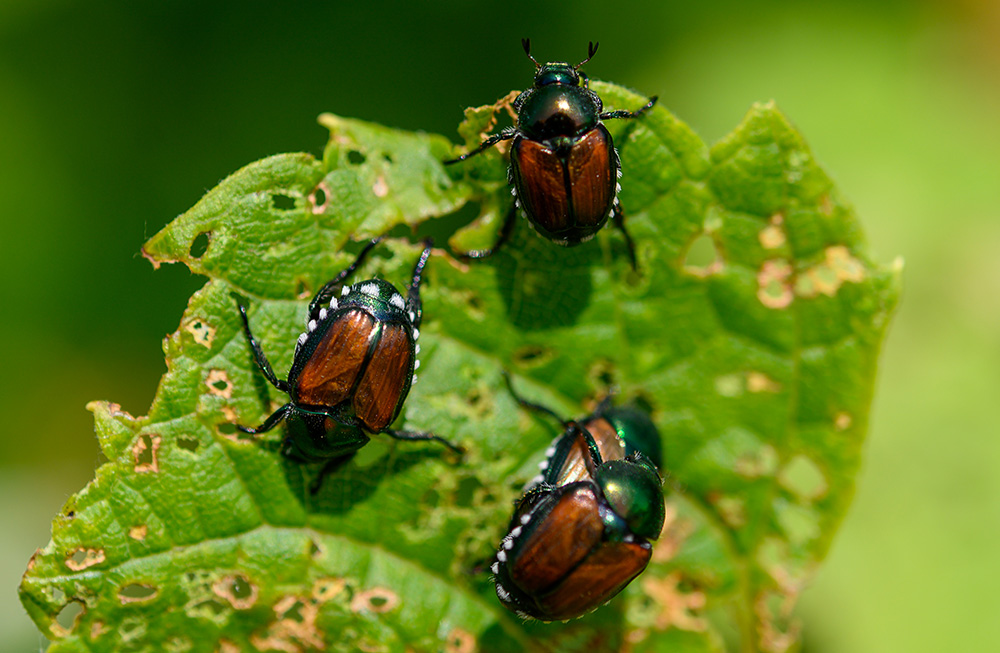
column 352, row 369
column 581, row 532
column 564, row 167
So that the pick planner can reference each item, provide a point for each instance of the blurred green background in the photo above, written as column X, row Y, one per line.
column 115, row 117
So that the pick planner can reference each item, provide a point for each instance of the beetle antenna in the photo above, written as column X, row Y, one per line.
column 526, row 44
column 591, row 51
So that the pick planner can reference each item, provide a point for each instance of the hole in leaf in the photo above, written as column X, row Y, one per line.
column 241, row 587
column 237, row 590
column 132, row 628
column 466, row 492
column 134, row 592
column 144, row 452
column 804, row 478
column 532, row 355
column 200, row 244
column 219, row 384
column 282, row 202
column 188, row 443
column 430, row 497
column 702, row 257
column 377, row 599
column 58, row 595
column 355, row 157
column 475, row 302
column 302, row 289
column 69, row 613
column 643, row 402
column 294, row 612
column 209, row 609
column 83, row 558
column 602, row 374
column 319, row 199
column 202, row 332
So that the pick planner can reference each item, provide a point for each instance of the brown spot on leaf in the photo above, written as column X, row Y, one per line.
column 842, row 421
column 226, row 646
column 219, row 384
column 237, row 590
column 294, row 629
column 201, row 331
column 97, row 629
column 760, row 382
column 115, row 410
column 677, row 608
column 325, row 589
column 377, row 599
column 82, row 558
column 773, row 236
column 774, row 288
column 145, row 452
column 826, row 205
column 460, row 641
column 380, row 188
column 138, row 532
column 826, row 277
column 778, row 629
column 731, row 509
column 758, row 462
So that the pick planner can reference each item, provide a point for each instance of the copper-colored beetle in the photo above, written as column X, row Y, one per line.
column 353, row 366
column 582, row 530
column 564, row 168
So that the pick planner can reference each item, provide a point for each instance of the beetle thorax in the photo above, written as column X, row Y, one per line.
column 557, row 110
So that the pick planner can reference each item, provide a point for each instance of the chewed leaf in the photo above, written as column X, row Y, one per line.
column 751, row 334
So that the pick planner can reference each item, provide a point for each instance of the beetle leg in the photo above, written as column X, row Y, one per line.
column 272, row 421
column 413, row 302
column 327, row 291
column 619, row 219
column 571, row 426
column 605, row 403
column 329, row 467
column 258, row 353
column 623, row 113
column 505, row 134
column 506, row 229
column 538, row 408
column 594, row 460
column 413, row 435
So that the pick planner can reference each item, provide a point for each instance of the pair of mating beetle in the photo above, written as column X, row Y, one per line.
column 581, row 531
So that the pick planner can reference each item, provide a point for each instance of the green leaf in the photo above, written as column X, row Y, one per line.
column 751, row 333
